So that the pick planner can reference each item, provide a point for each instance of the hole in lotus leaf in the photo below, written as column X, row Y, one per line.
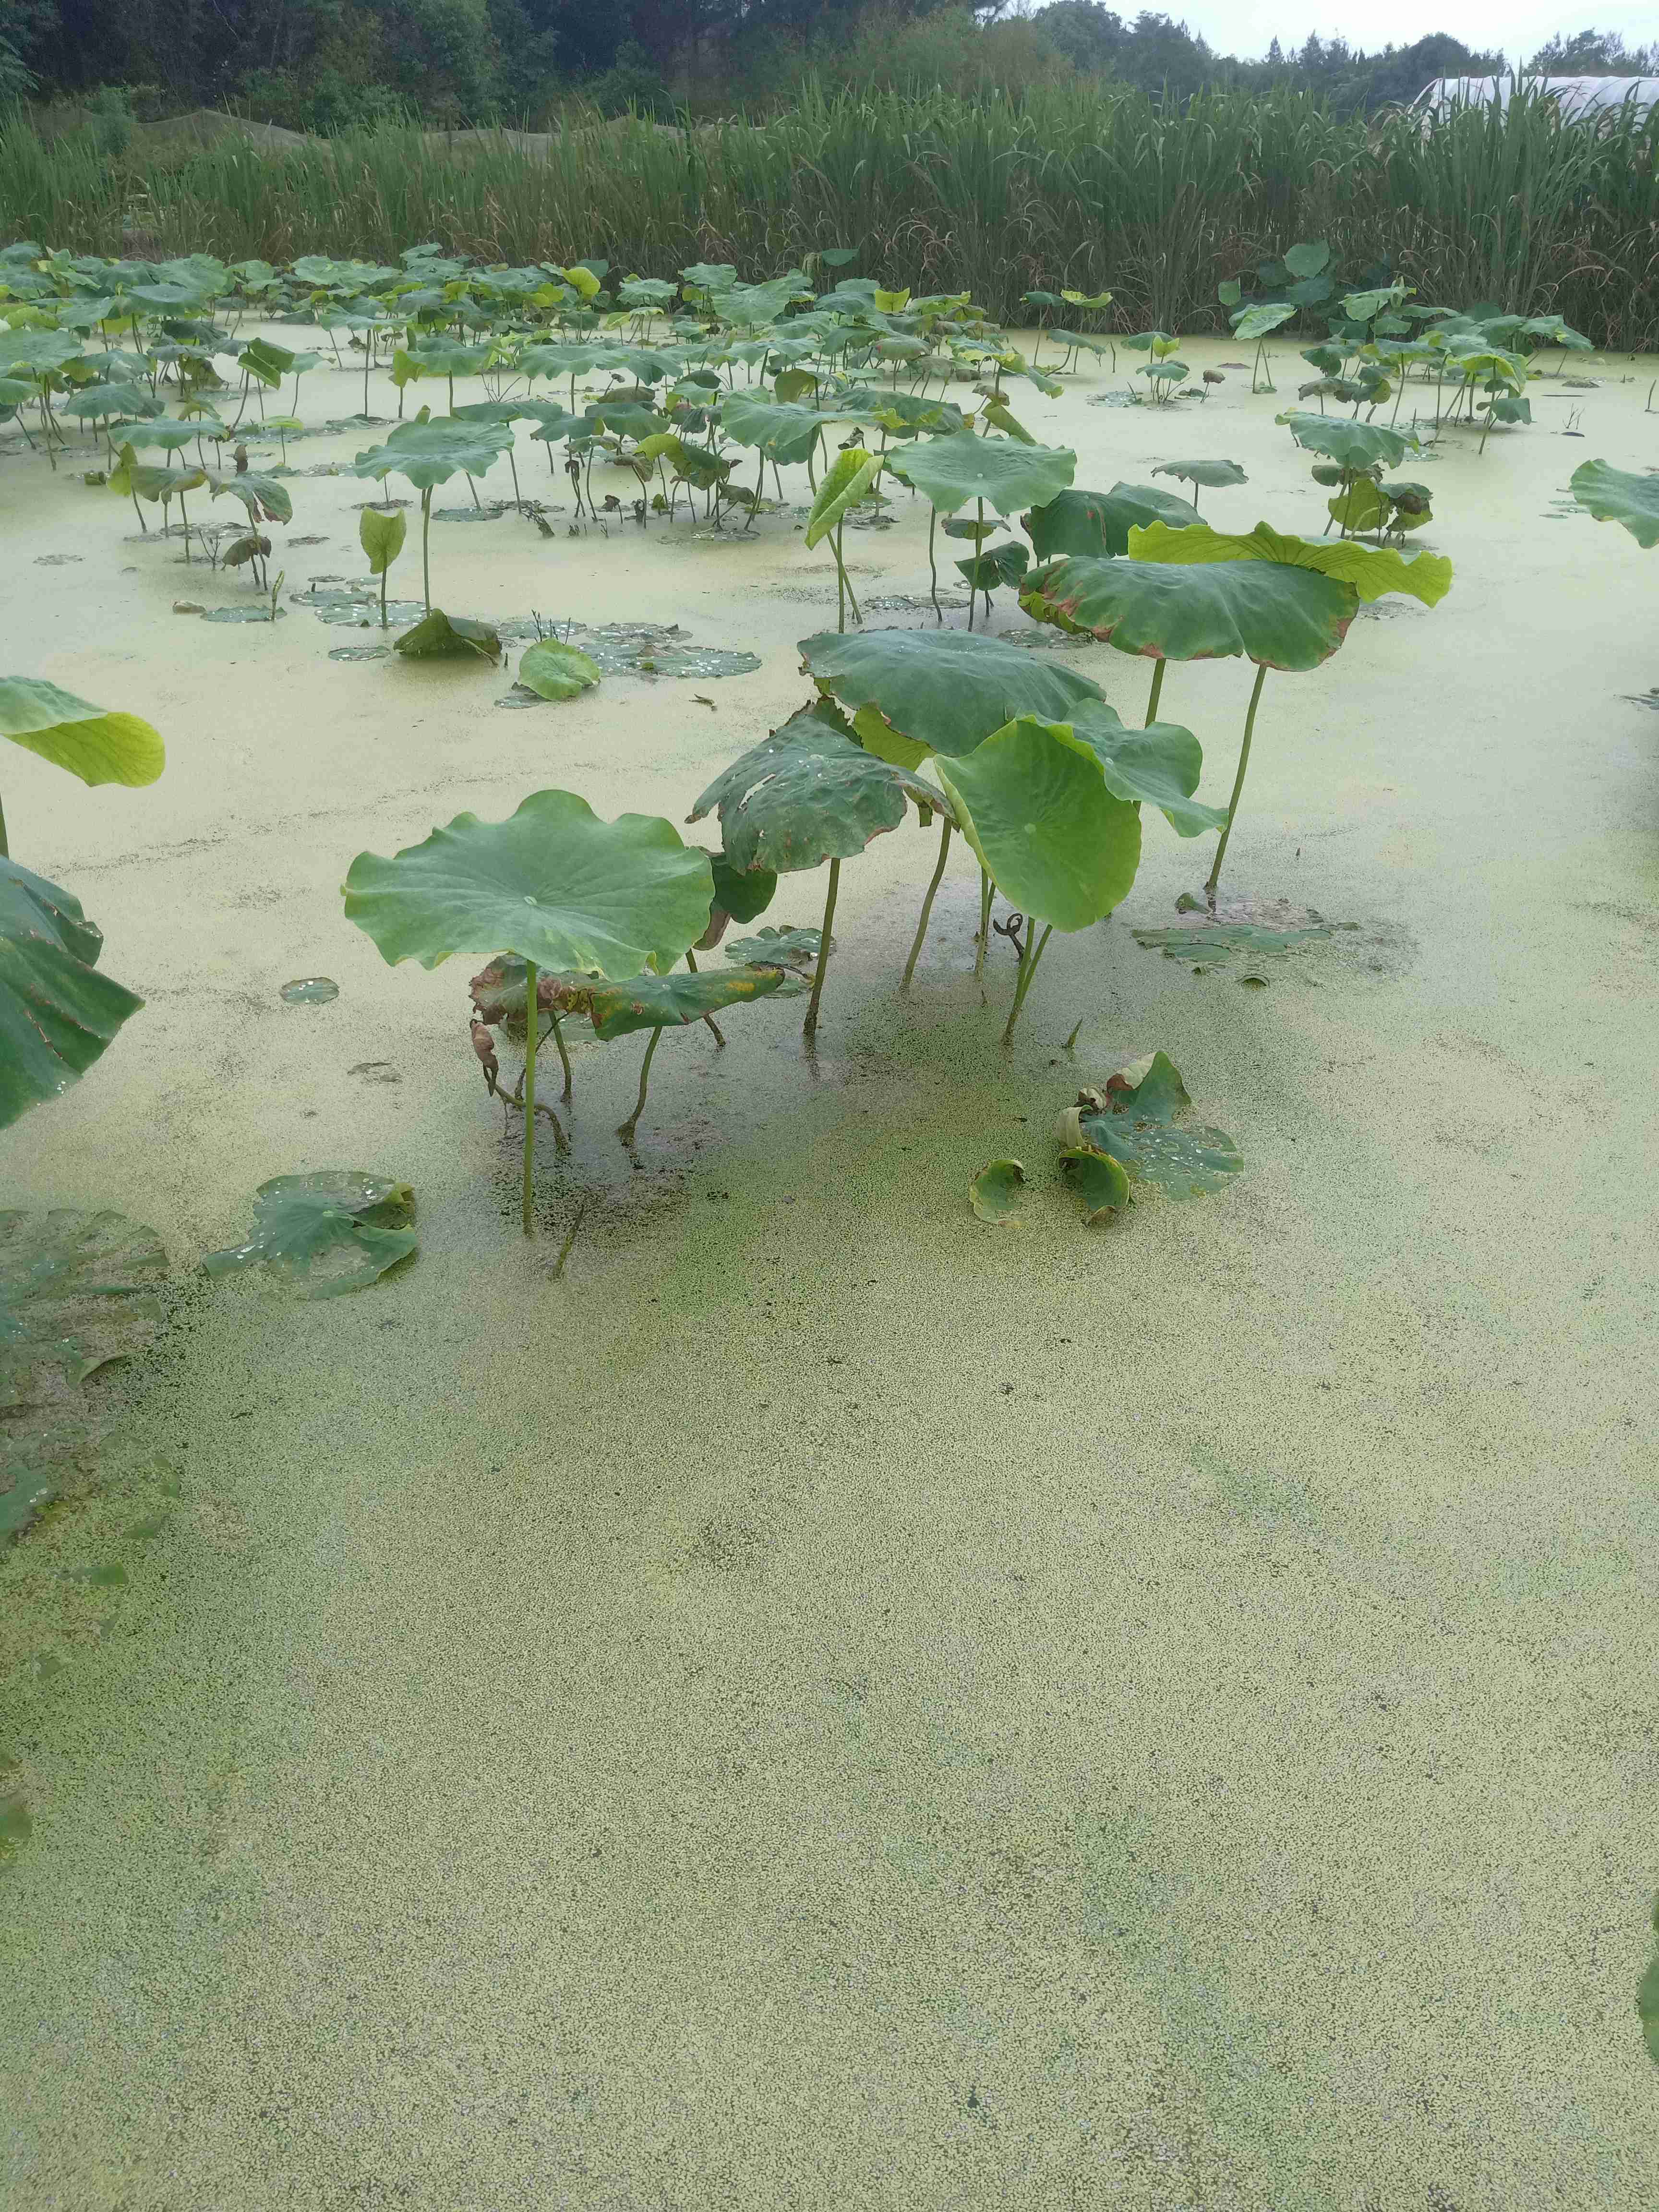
column 244, row 614
column 994, row 1192
column 360, row 652
column 77, row 1291
column 338, row 1230
column 309, row 991
column 17, row 1826
column 1135, row 1120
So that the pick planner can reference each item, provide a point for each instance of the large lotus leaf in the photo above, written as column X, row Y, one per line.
column 1033, row 803
column 336, row 1230
column 1351, row 445
column 164, row 432
column 1279, row 617
column 98, row 745
column 1098, row 523
column 553, row 883
column 107, row 402
column 1004, row 473
column 783, row 432
column 1372, row 571
column 77, row 1291
column 623, row 418
column 1308, row 260
column 1160, row 764
column 429, row 452
column 806, row 795
column 56, row 1012
column 655, row 1002
column 843, row 486
column 942, row 691
column 35, row 353
column 1613, row 496
column 1135, row 1121
column 1211, row 474
column 1266, row 315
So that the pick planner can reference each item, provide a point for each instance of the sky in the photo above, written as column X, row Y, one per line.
column 1514, row 28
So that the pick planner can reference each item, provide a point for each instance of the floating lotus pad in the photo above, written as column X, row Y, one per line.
column 324, row 1234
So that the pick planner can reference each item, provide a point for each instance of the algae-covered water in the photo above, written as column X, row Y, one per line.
column 825, row 1703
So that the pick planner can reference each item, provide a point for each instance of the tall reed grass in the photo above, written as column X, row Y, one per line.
column 1073, row 185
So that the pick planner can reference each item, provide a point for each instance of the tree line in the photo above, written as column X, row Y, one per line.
column 330, row 64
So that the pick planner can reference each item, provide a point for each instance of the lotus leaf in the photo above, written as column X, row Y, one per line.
column 553, row 883
column 93, row 742
column 336, row 1230
column 1370, row 571
column 913, row 692
column 1309, row 260
column 1614, row 496
column 1033, row 802
column 783, row 432
column 805, row 794
column 1134, row 1120
column 1350, row 445
column 994, row 1192
column 655, row 1002
column 77, row 1291
column 381, row 536
column 1266, row 315
column 1098, row 523
column 553, row 670
column 1160, row 764
column 792, row 950
column 58, row 1014
column 741, row 893
column 1281, row 617
column 429, row 452
column 1211, row 474
column 991, row 571
column 1004, row 474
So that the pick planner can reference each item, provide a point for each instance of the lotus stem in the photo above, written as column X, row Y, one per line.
column 1238, row 783
column 5, row 849
column 426, row 546
column 1031, row 953
column 557, row 1034
column 932, row 565
column 810, row 1026
column 927, row 904
column 720, row 1039
column 532, row 1023
column 1158, row 667
column 984, row 937
column 626, row 1131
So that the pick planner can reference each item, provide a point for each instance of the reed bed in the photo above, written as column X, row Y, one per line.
column 1080, row 186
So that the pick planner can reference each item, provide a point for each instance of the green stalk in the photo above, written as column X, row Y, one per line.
column 1238, row 784
column 1028, row 967
column 5, row 849
column 532, row 1024
column 1158, row 667
column 564, row 1059
column 927, row 904
column 810, row 1026
column 626, row 1131
column 425, row 549
column 984, row 938
column 933, row 564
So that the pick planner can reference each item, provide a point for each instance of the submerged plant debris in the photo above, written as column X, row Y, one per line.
column 77, row 1290
column 1137, row 1120
column 309, row 991
column 338, row 1230
column 1250, row 930
column 995, row 1192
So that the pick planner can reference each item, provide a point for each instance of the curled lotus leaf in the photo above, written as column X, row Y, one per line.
column 553, row 883
column 1372, row 572
column 805, row 794
column 1256, row 320
column 95, row 743
column 381, row 536
column 655, row 1002
column 938, row 691
column 1101, row 1182
column 58, row 1014
column 1096, row 524
column 993, row 571
column 438, row 636
column 995, row 1192
column 742, row 894
column 1138, row 1120
column 1614, row 496
column 324, row 1234
column 844, row 486
column 1034, row 804
column 1007, row 475
column 1159, row 765
column 1278, row 616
